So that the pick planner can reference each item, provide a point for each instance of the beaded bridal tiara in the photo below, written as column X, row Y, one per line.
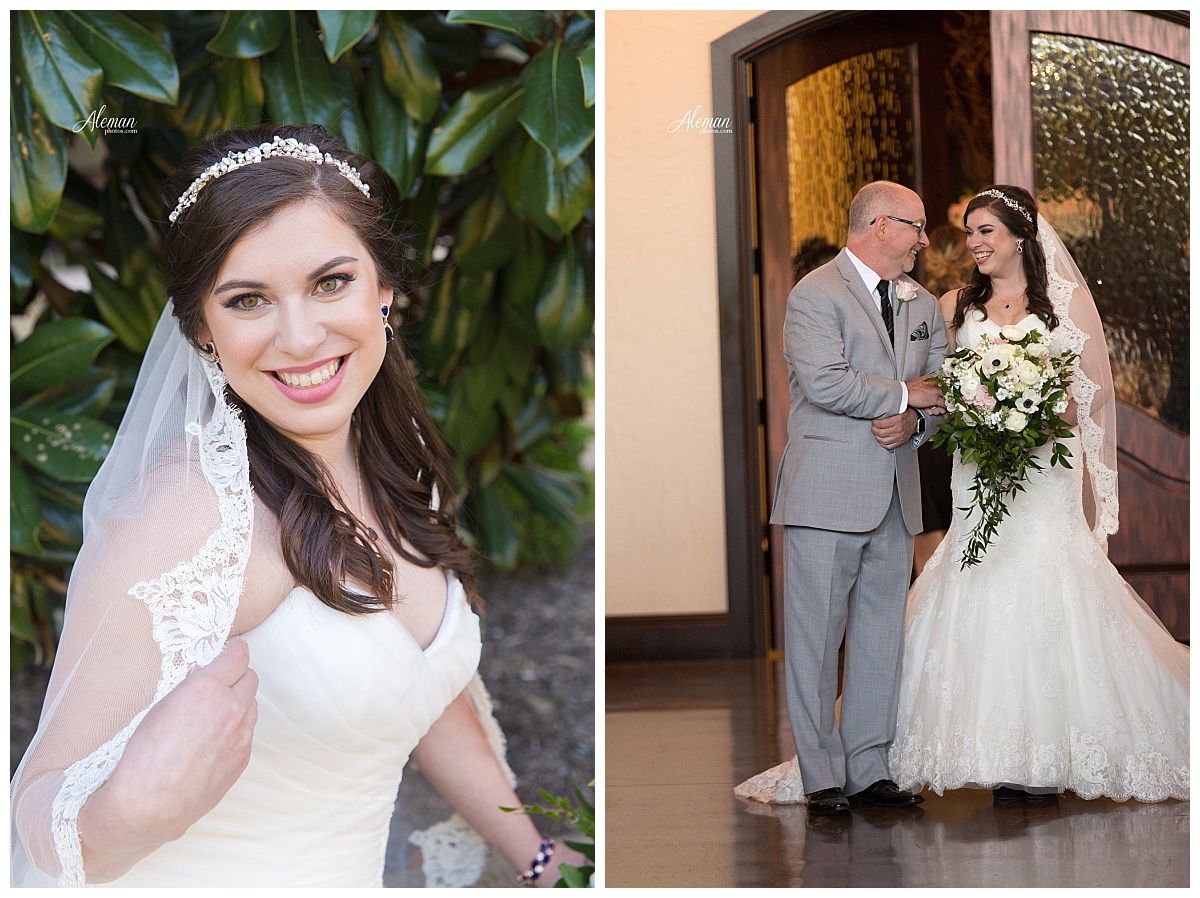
column 1011, row 203
column 278, row 147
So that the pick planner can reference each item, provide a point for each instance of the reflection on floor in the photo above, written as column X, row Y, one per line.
column 679, row 737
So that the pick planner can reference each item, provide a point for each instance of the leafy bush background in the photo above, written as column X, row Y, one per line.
column 483, row 120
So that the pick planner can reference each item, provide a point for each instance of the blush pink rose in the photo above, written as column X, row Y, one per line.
column 983, row 399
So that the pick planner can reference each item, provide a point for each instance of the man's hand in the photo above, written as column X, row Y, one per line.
column 895, row 430
column 924, row 392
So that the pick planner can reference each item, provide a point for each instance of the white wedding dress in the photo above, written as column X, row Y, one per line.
column 1038, row 667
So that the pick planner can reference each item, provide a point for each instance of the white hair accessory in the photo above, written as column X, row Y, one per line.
column 1008, row 201
column 279, row 146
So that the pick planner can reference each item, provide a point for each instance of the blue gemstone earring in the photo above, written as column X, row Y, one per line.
column 388, row 334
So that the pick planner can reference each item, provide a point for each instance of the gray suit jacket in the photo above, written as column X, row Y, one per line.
column 844, row 374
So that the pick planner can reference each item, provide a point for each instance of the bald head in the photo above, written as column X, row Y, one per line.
column 883, row 230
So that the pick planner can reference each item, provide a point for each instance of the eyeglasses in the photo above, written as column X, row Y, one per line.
column 919, row 225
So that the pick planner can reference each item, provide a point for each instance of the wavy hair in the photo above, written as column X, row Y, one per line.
column 1033, row 259
column 400, row 454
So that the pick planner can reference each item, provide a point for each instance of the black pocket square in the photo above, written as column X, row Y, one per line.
column 921, row 333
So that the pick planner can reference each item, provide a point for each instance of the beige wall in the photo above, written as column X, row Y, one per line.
column 664, row 483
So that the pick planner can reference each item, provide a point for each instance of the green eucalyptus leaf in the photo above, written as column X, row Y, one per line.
column 37, row 163
column 477, row 123
column 342, row 30
column 408, row 70
column 64, row 81
column 244, row 35
column 529, row 25
column 555, row 200
column 55, row 352
column 239, row 86
column 399, row 141
column 123, row 311
column 24, row 513
column 556, row 113
column 298, row 80
column 564, row 314
column 487, row 235
column 66, row 447
column 132, row 57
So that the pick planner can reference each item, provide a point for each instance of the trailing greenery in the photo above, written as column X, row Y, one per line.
column 583, row 818
column 483, row 120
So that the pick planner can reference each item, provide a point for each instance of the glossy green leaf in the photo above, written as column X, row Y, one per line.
column 24, row 512
column 555, row 200
column 240, row 94
column 55, row 352
column 495, row 525
column 23, row 252
column 529, row 25
column 350, row 123
column 132, row 57
column 342, row 30
column 523, row 275
column 587, row 70
column 37, row 153
column 564, row 314
column 556, row 112
column 398, row 140
column 533, row 423
column 247, row 34
column 487, row 234
column 89, row 394
column 448, row 328
column 475, row 126
column 74, row 221
column 408, row 70
column 475, row 289
column 555, row 494
column 67, row 447
column 469, row 424
column 20, row 617
column 125, row 239
column 63, row 79
column 122, row 310
column 298, row 79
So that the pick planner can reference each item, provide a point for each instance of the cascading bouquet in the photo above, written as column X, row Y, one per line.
column 1003, row 401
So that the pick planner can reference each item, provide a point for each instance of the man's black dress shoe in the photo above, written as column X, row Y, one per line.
column 884, row 794
column 827, row 802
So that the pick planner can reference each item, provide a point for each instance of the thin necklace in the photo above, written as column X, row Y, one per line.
column 1007, row 304
column 363, row 508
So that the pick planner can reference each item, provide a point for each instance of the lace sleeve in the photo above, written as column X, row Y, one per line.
column 124, row 648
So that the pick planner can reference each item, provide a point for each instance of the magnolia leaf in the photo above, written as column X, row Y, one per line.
column 244, row 35
column 556, row 113
column 481, row 119
column 342, row 30
column 529, row 25
column 132, row 57
column 55, row 352
column 37, row 153
column 66, row 447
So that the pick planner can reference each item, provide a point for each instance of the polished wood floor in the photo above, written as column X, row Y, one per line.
column 679, row 737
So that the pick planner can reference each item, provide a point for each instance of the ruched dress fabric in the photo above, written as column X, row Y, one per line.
column 342, row 701
column 1039, row 666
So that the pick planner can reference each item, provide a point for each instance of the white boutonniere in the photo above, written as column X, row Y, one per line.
column 905, row 291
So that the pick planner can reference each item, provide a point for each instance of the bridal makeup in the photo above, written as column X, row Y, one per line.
column 992, row 244
column 294, row 315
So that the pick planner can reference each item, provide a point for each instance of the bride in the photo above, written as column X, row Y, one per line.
column 271, row 613
column 1038, row 670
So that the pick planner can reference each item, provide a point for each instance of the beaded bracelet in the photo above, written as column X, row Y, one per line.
column 538, row 867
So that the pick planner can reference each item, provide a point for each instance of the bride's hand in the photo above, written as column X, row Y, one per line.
column 562, row 855
column 185, row 755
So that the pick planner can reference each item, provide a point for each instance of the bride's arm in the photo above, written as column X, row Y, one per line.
column 947, row 304
column 456, row 758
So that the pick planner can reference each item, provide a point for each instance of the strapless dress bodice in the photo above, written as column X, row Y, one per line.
column 342, row 702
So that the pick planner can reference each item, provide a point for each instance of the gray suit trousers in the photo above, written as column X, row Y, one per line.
column 852, row 585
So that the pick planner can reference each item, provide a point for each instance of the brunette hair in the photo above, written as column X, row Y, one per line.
column 1033, row 259
column 947, row 262
column 400, row 454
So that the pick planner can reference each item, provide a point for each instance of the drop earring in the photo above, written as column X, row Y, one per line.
column 1019, row 248
column 388, row 334
column 211, row 349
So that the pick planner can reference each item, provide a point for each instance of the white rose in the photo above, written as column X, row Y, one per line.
column 1015, row 421
column 1037, row 351
column 969, row 384
column 1012, row 332
column 1028, row 373
column 1028, row 401
column 905, row 291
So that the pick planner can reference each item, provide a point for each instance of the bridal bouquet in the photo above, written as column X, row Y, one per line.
column 1003, row 401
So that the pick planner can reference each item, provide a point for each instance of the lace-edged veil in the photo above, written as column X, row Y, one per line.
column 1092, row 387
column 167, row 529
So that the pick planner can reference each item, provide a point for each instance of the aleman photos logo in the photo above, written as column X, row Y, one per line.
column 97, row 122
column 692, row 120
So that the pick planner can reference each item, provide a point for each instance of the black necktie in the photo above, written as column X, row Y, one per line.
column 885, row 309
